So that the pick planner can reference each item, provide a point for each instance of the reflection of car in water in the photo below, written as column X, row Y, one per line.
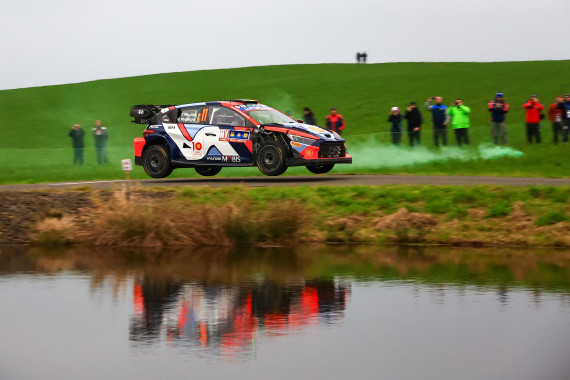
column 211, row 135
column 225, row 318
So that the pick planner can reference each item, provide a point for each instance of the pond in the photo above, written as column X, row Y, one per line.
column 337, row 312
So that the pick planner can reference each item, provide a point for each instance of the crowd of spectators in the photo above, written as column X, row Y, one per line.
column 457, row 118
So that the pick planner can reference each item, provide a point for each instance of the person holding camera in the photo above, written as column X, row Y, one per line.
column 565, row 108
column 309, row 116
column 459, row 114
column 498, row 108
column 533, row 116
column 395, row 119
column 414, row 118
column 76, row 133
column 555, row 116
column 440, row 119
column 335, row 121
column 101, row 135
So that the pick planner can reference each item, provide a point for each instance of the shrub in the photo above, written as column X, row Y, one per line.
column 500, row 208
column 279, row 224
column 552, row 218
column 54, row 231
column 438, row 206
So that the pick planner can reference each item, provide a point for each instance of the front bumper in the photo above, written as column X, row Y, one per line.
column 318, row 161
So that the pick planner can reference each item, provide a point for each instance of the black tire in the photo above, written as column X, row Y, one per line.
column 270, row 158
column 208, row 171
column 156, row 161
column 320, row 169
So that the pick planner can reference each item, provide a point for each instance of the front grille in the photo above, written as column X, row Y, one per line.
column 332, row 150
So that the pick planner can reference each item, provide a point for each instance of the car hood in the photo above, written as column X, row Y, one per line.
column 318, row 132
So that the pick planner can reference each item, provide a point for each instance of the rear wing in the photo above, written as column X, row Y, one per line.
column 144, row 113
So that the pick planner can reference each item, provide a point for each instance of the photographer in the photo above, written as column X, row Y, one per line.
column 565, row 108
column 440, row 119
column 533, row 109
column 414, row 118
column 335, row 121
column 395, row 119
column 76, row 133
column 459, row 114
column 555, row 116
column 498, row 108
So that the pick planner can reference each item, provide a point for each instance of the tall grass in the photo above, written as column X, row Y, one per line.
column 125, row 220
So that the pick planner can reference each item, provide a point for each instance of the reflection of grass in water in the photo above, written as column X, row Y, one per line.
column 544, row 269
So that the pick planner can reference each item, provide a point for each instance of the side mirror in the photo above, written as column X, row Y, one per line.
column 300, row 121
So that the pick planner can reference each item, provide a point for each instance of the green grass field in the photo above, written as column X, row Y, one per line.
column 35, row 148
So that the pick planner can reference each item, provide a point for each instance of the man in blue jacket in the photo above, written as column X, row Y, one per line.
column 440, row 119
column 498, row 108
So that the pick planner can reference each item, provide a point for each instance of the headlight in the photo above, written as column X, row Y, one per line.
column 302, row 140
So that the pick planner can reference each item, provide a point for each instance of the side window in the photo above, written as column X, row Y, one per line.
column 193, row 115
column 170, row 116
column 225, row 116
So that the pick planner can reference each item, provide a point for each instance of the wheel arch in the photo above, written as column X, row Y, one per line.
column 156, row 140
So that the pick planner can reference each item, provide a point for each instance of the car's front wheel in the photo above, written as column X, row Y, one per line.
column 271, row 158
column 207, row 171
column 156, row 161
column 320, row 169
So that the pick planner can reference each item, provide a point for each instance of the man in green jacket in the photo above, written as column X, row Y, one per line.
column 459, row 115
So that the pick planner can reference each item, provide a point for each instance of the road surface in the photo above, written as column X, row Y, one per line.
column 314, row 180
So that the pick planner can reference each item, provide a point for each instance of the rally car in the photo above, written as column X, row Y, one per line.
column 211, row 135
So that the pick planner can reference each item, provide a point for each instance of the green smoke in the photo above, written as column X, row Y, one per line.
column 370, row 154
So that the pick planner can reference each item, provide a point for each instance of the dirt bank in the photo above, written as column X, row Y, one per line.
column 20, row 210
column 238, row 215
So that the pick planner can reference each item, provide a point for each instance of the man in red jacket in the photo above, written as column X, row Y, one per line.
column 533, row 109
column 555, row 116
column 335, row 121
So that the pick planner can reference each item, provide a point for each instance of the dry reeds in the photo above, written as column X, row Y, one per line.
column 138, row 222
column 53, row 231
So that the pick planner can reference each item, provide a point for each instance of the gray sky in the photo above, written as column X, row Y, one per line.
column 63, row 41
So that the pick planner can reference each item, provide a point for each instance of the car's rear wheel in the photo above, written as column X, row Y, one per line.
column 271, row 158
column 207, row 171
column 156, row 162
column 320, row 169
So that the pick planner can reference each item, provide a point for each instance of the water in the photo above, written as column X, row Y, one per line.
column 307, row 313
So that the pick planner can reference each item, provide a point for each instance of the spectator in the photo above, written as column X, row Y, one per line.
column 498, row 108
column 396, row 128
column 335, row 121
column 101, row 136
column 555, row 116
column 440, row 119
column 358, row 57
column 309, row 116
column 565, row 107
column 364, row 56
column 414, row 118
column 533, row 117
column 459, row 114
column 76, row 135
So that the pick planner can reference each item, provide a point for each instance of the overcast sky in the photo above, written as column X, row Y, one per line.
column 62, row 41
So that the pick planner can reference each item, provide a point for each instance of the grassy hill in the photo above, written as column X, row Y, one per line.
column 34, row 145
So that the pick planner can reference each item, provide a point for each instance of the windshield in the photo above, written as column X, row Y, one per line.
column 269, row 116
